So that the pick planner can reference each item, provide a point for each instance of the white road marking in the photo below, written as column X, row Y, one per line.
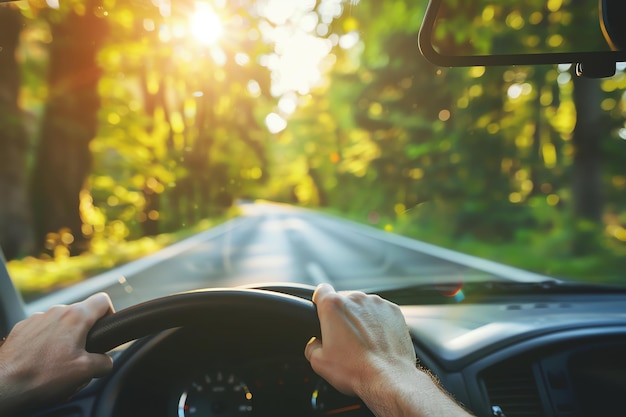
column 100, row 282
column 447, row 255
column 313, row 269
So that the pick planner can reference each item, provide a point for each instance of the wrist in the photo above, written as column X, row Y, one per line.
column 383, row 387
column 407, row 392
column 11, row 389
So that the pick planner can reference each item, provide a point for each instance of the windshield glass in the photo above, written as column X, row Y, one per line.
column 150, row 147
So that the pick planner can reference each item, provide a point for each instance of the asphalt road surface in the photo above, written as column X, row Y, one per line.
column 279, row 243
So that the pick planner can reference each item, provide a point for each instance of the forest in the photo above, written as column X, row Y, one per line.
column 129, row 124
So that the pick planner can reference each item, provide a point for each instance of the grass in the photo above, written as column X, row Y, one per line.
column 544, row 253
column 538, row 252
column 35, row 277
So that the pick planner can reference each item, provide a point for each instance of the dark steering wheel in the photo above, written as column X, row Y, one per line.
column 235, row 312
column 239, row 307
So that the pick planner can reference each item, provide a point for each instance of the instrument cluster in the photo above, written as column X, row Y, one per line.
column 267, row 387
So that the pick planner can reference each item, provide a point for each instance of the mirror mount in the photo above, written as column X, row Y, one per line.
column 598, row 69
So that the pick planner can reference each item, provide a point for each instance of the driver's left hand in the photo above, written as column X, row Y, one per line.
column 43, row 358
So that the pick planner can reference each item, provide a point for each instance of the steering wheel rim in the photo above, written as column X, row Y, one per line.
column 192, row 308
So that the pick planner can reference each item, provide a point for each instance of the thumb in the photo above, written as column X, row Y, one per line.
column 99, row 364
column 313, row 348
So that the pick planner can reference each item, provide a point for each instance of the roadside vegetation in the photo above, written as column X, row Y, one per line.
column 37, row 276
column 521, row 165
column 546, row 254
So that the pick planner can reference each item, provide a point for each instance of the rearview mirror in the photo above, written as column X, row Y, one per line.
column 589, row 33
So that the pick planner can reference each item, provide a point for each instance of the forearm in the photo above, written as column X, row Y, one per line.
column 411, row 393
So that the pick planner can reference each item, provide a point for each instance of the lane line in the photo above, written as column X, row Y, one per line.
column 118, row 275
column 444, row 254
column 314, row 270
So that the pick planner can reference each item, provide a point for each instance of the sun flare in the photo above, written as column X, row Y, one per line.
column 206, row 26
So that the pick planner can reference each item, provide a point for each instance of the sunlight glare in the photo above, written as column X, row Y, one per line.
column 288, row 103
column 275, row 123
column 514, row 91
column 205, row 24
column 297, row 67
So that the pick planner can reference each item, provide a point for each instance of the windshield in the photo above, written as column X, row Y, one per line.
column 150, row 147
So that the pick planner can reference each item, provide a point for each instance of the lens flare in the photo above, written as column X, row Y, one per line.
column 206, row 26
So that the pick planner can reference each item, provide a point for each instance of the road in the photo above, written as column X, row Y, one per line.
column 279, row 243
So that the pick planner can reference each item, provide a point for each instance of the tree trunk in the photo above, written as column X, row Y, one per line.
column 14, row 214
column 150, row 224
column 63, row 159
column 322, row 198
column 587, row 168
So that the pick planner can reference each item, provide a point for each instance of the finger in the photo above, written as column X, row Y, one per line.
column 105, row 300
column 99, row 364
column 95, row 307
column 314, row 345
column 322, row 291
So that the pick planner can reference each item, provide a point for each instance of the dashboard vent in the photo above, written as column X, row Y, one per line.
column 511, row 387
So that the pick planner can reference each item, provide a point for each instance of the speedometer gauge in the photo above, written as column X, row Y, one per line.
column 327, row 401
column 215, row 394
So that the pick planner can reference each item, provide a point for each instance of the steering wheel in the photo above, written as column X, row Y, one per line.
column 236, row 311
column 241, row 307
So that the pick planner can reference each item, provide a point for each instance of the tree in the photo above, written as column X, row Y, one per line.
column 63, row 158
column 14, row 143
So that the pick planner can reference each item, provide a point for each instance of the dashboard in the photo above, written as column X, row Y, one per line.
column 187, row 373
column 258, row 387
column 550, row 356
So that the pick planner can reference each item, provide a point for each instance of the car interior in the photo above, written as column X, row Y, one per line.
column 518, row 344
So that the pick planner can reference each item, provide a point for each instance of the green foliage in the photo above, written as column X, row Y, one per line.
column 478, row 160
column 35, row 277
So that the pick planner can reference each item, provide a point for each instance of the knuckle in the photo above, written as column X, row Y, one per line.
column 333, row 302
column 357, row 296
column 56, row 310
column 354, row 298
column 377, row 299
column 73, row 314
